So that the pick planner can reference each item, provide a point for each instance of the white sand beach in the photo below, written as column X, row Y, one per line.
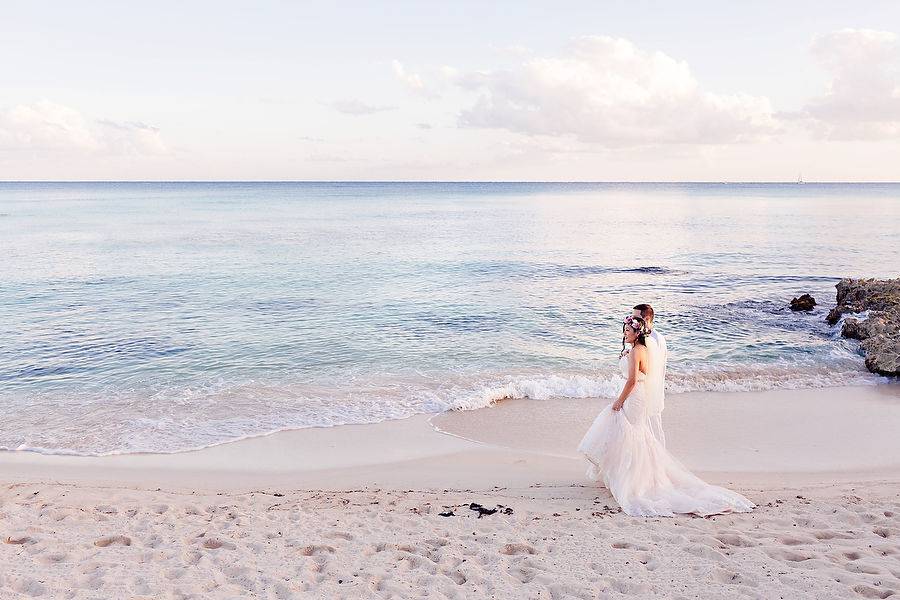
column 319, row 300
column 383, row 511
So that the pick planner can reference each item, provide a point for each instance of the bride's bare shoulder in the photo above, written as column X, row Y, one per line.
column 641, row 357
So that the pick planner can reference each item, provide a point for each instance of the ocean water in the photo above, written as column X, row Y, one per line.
column 163, row 317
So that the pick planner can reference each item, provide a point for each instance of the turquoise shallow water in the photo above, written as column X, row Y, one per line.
column 169, row 316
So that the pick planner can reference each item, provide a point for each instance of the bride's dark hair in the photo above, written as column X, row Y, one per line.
column 639, row 326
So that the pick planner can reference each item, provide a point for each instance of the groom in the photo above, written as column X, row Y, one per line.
column 656, row 346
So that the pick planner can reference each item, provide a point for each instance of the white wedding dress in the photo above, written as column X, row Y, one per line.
column 640, row 473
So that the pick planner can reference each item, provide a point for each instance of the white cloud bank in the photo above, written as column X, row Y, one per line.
column 608, row 91
column 863, row 99
column 48, row 127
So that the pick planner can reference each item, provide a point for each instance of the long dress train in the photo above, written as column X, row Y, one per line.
column 643, row 477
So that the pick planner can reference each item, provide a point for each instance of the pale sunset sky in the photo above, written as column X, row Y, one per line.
column 589, row 91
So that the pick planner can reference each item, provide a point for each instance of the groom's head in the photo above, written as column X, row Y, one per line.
column 644, row 311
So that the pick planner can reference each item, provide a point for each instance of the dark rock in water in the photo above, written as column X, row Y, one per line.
column 804, row 302
column 882, row 355
column 834, row 315
column 879, row 334
column 851, row 329
column 869, row 294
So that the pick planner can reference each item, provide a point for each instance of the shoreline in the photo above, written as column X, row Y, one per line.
column 759, row 437
column 394, row 510
column 562, row 386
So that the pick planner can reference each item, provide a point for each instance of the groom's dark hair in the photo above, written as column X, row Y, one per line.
column 646, row 311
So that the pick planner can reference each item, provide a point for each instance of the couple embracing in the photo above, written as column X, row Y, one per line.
column 626, row 447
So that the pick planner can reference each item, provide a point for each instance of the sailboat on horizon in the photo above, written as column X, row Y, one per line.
column 800, row 179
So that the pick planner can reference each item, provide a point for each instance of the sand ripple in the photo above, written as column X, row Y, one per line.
column 71, row 542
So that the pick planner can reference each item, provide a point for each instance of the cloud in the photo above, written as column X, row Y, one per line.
column 863, row 98
column 411, row 80
column 49, row 127
column 608, row 91
column 357, row 107
column 131, row 137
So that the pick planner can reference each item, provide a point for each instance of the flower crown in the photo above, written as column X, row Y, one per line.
column 637, row 324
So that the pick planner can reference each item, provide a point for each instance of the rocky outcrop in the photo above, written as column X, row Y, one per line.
column 879, row 333
column 857, row 295
column 804, row 302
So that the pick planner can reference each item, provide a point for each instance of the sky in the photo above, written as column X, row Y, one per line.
column 568, row 91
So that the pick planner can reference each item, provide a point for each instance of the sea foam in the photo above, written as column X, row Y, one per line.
column 219, row 413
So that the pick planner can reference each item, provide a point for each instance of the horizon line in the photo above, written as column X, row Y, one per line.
column 578, row 181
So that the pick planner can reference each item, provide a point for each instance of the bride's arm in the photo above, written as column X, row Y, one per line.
column 632, row 378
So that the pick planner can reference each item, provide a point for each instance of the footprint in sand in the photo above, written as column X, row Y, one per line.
column 569, row 591
column 314, row 549
column 704, row 552
column 788, row 555
column 52, row 558
column 216, row 543
column 316, row 567
column 112, row 540
column 381, row 547
column 407, row 560
column 90, row 581
column 627, row 588
column 788, row 540
column 870, row 592
column 511, row 549
column 192, row 557
column 733, row 578
column 455, row 576
column 869, row 517
column 176, row 573
column 861, row 567
column 522, row 575
column 628, row 546
column 733, row 539
column 827, row 534
column 16, row 539
column 25, row 585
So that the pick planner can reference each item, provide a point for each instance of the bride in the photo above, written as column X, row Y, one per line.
column 636, row 468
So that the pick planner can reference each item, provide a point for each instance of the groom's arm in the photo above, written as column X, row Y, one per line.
column 665, row 363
